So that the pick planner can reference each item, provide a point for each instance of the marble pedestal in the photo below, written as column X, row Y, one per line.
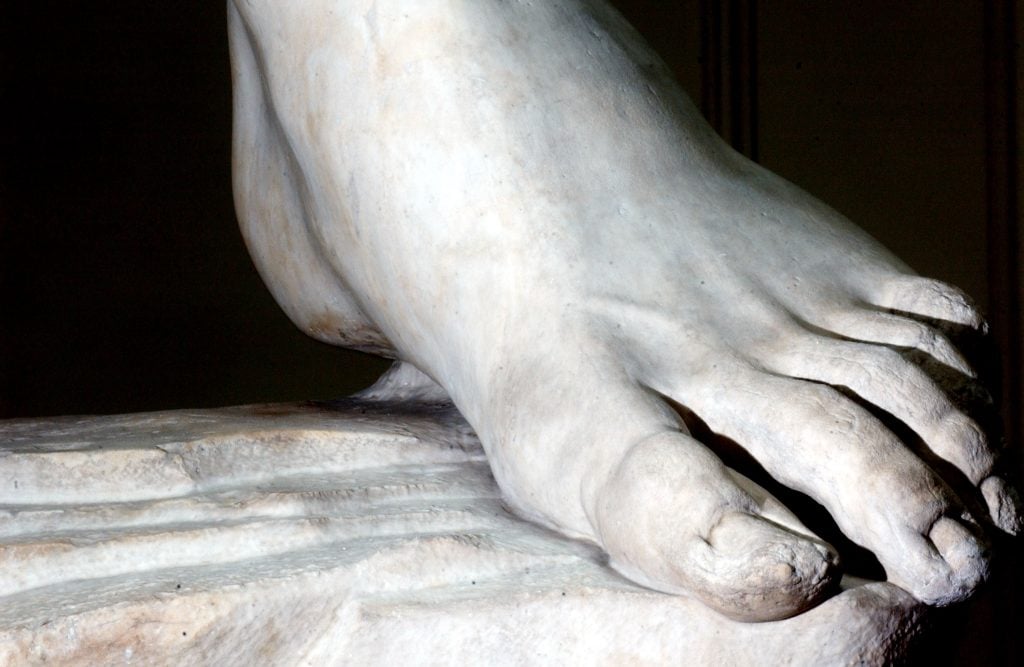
column 349, row 533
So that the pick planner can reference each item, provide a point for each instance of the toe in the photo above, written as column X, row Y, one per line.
column 756, row 570
column 897, row 331
column 674, row 518
column 669, row 514
column 961, row 566
column 813, row 439
column 932, row 299
column 885, row 379
column 1003, row 504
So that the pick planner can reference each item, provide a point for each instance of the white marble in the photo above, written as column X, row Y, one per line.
column 516, row 199
column 357, row 534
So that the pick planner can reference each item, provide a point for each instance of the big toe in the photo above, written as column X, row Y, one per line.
column 756, row 570
column 674, row 518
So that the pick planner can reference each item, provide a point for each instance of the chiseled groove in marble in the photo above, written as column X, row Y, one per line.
column 509, row 553
column 299, row 448
column 293, row 509
column 167, row 472
column 284, row 514
column 436, row 426
column 70, row 476
column 242, row 435
column 34, row 564
column 382, row 481
column 203, row 459
column 362, row 490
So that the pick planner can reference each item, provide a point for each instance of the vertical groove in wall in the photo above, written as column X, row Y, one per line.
column 1002, row 122
column 728, row 57
column 1003, row 208
column 711, row 62
column 753, row 109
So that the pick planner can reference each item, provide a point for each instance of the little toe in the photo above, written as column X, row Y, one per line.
column 672, row 517
column 932, row 299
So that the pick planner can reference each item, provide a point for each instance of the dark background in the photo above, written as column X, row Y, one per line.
column 125, row 285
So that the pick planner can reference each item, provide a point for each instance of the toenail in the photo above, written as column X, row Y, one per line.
column 1004, row 504
column 965, row 556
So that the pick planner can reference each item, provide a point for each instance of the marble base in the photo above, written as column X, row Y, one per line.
column 345, row 533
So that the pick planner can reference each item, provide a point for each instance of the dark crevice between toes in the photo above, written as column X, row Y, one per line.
column 957, row 332
column 856, row 560
column 970, row 395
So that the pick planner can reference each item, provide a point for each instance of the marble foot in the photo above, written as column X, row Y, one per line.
column 344, row 533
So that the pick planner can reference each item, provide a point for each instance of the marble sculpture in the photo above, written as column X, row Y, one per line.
column 516, row 201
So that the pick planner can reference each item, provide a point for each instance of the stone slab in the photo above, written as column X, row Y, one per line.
column 344, row 533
